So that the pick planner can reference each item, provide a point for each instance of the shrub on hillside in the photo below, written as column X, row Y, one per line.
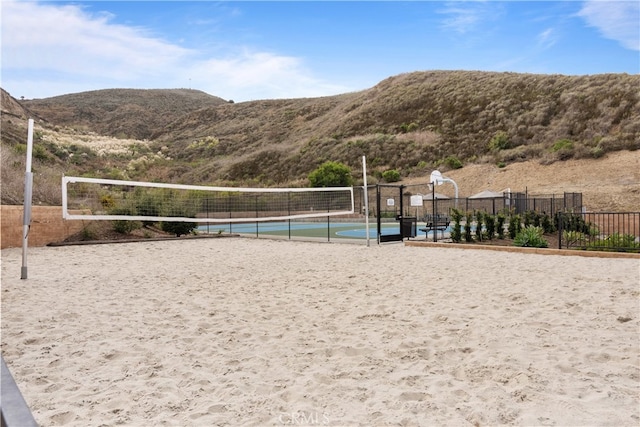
column 500, row 141
column 331, row 174
column 563, row 149
column 391, row 175
column 453, row 162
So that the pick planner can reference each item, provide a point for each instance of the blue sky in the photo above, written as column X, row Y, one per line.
column 245, row 51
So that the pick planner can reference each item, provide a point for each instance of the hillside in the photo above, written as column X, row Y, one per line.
column 608, row 184
column 121, row 113
column 14, row 117
column 418, row 121
column 504, row 124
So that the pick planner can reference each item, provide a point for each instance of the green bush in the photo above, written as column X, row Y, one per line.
column 563, row 149
column 531, row 236
column 562, row 144
column 597, row 152
column 178, row 209
column 89, row 233
column 40, row 153
column 331, row 174
column 408, row 127
column 479, row 225
column 531, row 218
column 468, row 236
column 453, row 162
column 148, row 204
column 107, row 201
column 573, row 222
column 500, row 220
column 572, row 238
column 178, row 228
column 490, row 224
column 20, row 149
column 456, row 232
column 616, row 242
column 500, row 141
column 125, row 226
column 547, row 224
column 515, row 226
column 391, row 175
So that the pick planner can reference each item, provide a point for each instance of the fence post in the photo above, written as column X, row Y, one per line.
column 434, row 206
column 559, row 220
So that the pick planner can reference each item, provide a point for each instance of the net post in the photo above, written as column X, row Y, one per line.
column 366, row 198
column 26, row 223
column 28, row 193
column 64, row 197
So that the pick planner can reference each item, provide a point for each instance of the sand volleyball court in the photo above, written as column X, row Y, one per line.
column 244, row 331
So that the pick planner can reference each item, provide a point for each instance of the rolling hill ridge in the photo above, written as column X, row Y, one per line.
column 413, row 123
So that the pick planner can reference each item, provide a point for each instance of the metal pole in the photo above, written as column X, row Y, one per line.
column 328, row 221
column 559, row 220
column 379, row 221
column 366, row 198
column 433, row 208
column 289, row 211
column 328, row 228
column 28, row 191
column 206, row 201
column 402, row 236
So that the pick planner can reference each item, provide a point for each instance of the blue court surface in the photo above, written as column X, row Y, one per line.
column 346, row 230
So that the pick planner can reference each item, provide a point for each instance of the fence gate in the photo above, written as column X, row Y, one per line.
column 391, row 212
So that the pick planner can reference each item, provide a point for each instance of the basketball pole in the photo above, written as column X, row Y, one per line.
column 28, row 191
column 366, row 198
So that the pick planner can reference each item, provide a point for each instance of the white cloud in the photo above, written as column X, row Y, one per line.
column 616, row 20
column 50, row 50
column 460, row 19
column 251, row 74
column 464, row 17
column 64, row 39
column 547, row 38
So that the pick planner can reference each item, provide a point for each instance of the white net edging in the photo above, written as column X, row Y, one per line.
column 108, row 199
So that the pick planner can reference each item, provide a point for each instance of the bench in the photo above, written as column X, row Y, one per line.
column 437, row 222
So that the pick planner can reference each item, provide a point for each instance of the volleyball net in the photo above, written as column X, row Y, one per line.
column 108, row 199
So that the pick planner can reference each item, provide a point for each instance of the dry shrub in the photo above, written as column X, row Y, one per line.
column 47, row 180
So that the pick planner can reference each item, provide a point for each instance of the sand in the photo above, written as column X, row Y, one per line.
column 244, row 331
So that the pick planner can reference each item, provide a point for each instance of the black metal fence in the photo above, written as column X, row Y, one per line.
column 419, row 200
column 409, row 205
column 599, row 231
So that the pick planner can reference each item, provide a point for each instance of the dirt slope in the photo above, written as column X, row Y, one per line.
column 611, row 183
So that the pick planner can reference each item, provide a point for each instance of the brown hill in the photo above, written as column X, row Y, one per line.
column 500, row 125
column 122, row 113
column 9, row 105
column 413, row 123
column 14, row 118
column 608, row 184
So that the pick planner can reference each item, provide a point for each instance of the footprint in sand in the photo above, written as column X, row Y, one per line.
column 413, row 396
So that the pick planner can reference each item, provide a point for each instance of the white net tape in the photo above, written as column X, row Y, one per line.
column 107, row 199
